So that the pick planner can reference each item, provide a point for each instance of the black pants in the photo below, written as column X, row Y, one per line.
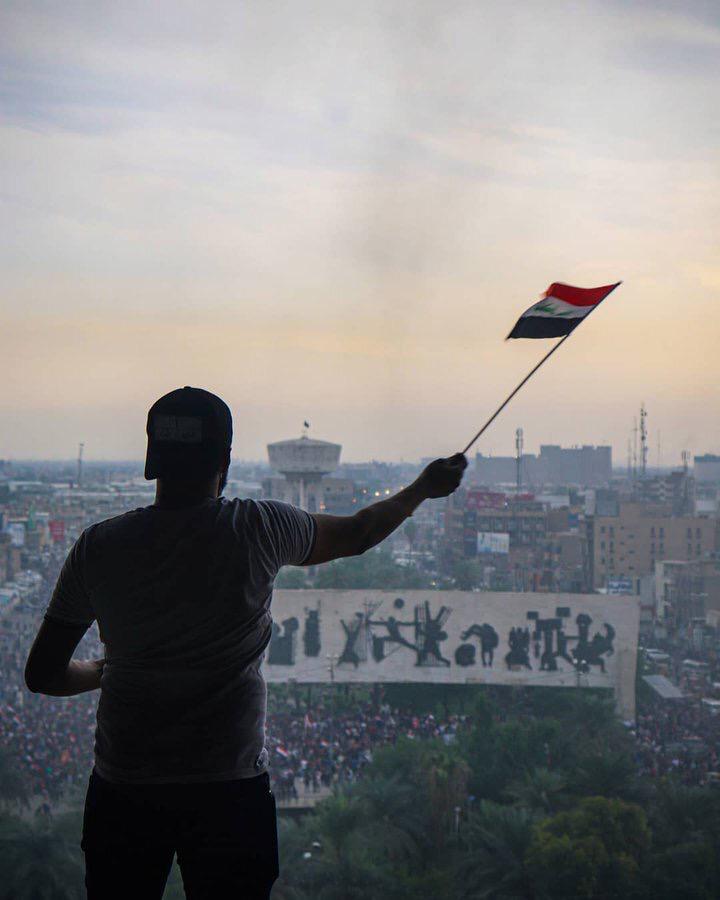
column 224, row 834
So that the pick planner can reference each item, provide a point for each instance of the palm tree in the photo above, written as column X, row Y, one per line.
column 604, row 773
column 538, row 789
column 447, row 776
column 41, row 860
column 492, row 846
column 681, row 813
column 13, row 787
column 296, row 839
column 396, row 822
column 337, row 862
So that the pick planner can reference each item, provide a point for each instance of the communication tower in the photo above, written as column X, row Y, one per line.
column 81, row 447
column 629, row 460
column 518, row 459
column 643, row 442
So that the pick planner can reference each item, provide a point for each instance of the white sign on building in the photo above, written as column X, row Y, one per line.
column 456, row 637
column 16, row 530
column 493, row 542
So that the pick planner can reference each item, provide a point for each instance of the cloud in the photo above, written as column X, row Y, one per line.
column 343, row 212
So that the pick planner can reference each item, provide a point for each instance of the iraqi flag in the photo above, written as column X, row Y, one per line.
column 562, row 308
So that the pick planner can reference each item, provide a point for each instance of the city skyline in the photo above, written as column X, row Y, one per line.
column 339, row 217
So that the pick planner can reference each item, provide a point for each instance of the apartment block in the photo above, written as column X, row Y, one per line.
column 629, row 544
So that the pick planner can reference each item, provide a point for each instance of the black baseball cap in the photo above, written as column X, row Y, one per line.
column 189, row 430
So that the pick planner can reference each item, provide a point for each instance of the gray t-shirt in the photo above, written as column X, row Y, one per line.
column 182, row 600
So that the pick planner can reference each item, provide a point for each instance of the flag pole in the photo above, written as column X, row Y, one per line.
column 534, row 370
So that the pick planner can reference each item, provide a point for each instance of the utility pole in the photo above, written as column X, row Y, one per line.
column 81, row 447
column 643, row 442
column 686, row 484
column 518, row 460
column 629, row 461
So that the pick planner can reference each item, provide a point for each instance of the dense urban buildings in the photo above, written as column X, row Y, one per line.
column 652, row 540
column 591, row 530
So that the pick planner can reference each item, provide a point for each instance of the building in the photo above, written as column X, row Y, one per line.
column 524, row 521
column 674, row 489
column 707, row 468
column 628, row 545
column 493, row 470
column 335, row 496
column 563, row 562
column 585, row 466
column 686, row 591
column 304, row 465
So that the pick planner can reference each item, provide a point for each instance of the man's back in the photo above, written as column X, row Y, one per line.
column 181, row 591
column 182, row 599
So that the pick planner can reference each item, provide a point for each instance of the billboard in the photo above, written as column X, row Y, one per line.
column 493, row 542
column 456, row 637
column 620, row 586
column 16, row 530
column 57, row 530
column 485, row 500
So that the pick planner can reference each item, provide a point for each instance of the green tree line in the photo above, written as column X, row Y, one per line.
column 537, row 800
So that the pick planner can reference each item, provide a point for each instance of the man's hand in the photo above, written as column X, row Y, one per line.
column 442, row 476
column 339, row 536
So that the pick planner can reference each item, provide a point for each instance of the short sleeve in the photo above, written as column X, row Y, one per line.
column 70, row 602
column 288, row 533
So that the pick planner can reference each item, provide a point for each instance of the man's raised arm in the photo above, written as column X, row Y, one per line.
column 339, row 536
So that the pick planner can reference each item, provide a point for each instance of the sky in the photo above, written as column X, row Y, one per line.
column 336, row 211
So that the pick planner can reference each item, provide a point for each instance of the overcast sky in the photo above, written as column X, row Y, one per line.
column 335, row 211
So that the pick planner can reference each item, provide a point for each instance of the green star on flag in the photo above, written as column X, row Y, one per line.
column 561, row 309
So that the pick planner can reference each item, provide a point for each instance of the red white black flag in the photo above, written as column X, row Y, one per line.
column 562, row 308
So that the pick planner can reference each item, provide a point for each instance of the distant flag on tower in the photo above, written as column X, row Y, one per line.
column 561, row 309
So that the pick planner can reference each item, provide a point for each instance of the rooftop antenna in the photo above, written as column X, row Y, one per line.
column 81, row 447
column 686, row 480
column 635, row 452
column 518, row 460
column 629, row 460
column 643, row 441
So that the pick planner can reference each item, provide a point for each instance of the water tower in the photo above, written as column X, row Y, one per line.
column 303, row 462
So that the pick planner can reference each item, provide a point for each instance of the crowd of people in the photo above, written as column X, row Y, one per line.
column 48, row 741
column 324, row 746
column 680, row 738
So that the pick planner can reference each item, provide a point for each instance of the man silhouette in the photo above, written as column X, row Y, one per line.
column 181, row 591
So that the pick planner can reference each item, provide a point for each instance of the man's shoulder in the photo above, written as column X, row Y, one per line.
column 237, row 514
column 113, row 524
column 120, row 520
column 259, row 508
column 278, row 508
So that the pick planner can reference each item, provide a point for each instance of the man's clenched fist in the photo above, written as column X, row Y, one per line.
column 442, row 476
